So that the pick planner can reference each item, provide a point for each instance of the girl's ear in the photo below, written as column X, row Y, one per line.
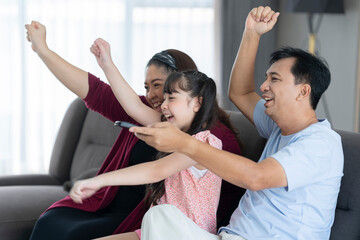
column 198, row 103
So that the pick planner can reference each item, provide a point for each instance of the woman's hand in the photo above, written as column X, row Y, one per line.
column 36, row 34
column 83, row 189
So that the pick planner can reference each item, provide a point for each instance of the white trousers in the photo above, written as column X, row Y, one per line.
column 165, row 222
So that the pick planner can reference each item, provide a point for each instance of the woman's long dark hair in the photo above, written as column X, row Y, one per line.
column 199, row 85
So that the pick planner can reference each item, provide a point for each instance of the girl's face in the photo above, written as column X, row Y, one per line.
column 155, row 78
column 180, row 109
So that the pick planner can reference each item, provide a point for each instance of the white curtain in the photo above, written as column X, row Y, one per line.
column 33, row 102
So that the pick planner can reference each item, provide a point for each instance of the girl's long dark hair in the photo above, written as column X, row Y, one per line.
column 199, row 85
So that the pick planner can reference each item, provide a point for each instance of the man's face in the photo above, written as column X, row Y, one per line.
column 279, row 90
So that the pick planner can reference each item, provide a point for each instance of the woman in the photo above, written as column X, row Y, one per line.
column 112, row 209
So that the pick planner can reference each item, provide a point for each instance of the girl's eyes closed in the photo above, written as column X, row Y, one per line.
column 169, row 97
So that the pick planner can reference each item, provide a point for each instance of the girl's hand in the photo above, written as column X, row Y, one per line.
column 83, row 189
column 36, row 34
column 261, row 20
column 101, row 50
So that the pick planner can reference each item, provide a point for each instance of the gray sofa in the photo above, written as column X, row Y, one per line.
column 85, row 138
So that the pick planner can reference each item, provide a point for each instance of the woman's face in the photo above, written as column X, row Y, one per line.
column 155, row 78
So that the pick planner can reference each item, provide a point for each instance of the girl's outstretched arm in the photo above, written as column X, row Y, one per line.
column 72, row 77
column 144, row 173
column 126, row 96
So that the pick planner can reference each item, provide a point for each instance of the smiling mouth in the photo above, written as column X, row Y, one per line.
column 168, row 116
column 157, row 104
column 268, row 100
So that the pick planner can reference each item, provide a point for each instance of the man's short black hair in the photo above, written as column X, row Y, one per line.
column 308, row 69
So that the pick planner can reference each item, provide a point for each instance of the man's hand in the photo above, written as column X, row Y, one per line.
column 36, row 34
column 261, row 20
column 101, row 50
column 163, row 136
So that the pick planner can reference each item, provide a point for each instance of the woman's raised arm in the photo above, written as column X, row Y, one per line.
column 75, row 79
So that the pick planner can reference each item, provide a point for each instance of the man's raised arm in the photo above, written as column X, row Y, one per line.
column 242, row 85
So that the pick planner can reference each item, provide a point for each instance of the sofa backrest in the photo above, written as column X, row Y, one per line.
column 82, row 144
column 347, row 215
column 251, row 143
column 93, row 146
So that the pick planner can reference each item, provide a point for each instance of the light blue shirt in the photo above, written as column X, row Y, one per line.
column 313, row 162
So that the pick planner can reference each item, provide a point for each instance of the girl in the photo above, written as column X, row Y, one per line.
column 190, row 104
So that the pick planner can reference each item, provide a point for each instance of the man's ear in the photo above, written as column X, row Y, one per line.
column 305, row 92
column 198, row 104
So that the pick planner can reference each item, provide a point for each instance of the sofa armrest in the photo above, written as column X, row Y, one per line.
column 21, row 206
column 28, row 179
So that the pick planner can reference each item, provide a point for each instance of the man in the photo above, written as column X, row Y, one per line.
column 292, row 190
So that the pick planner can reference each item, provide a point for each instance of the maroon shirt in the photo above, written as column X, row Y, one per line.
column 101, row 99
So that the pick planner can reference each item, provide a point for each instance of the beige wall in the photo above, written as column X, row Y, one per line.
column 338, row 43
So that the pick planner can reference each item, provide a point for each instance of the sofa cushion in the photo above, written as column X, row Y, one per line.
column 83, row 142
column 27, row 204
column 66, row 141
column 97, row 137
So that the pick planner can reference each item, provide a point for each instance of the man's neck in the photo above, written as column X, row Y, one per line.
column 294, row 124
